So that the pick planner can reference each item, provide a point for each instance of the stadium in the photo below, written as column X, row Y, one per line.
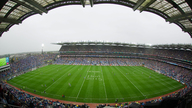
column 98, row 74
column 103, row 72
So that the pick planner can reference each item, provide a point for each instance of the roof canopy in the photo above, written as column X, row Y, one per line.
column 174, row 11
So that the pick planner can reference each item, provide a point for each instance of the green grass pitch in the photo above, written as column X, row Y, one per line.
column 96, row 84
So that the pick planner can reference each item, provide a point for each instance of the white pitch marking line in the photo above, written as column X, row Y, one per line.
column 159, row 79
column 58, row 79
column 131, row 82
column 82, row 84
column 104, row 83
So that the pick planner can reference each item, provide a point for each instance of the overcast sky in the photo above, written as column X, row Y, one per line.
column 114, row 23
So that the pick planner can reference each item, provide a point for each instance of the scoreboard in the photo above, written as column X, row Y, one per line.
column 4, row 64
column 4, row 61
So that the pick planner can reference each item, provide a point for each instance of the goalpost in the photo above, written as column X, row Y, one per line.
column 34, row 68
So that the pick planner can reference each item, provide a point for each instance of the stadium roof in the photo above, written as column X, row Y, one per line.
column 174, row 11
column 187, row 47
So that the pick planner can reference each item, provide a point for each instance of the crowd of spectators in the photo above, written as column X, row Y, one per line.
column 25, row 63
column 99, row 61
column 11, row 96
column 180, row 54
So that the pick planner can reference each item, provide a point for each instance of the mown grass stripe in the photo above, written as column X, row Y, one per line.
column 82, row 83
column 57, row 80
column 114, row 85
column 130, row 81
column 103, row 82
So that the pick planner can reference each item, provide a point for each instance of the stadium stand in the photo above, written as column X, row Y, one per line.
column 175, row 64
